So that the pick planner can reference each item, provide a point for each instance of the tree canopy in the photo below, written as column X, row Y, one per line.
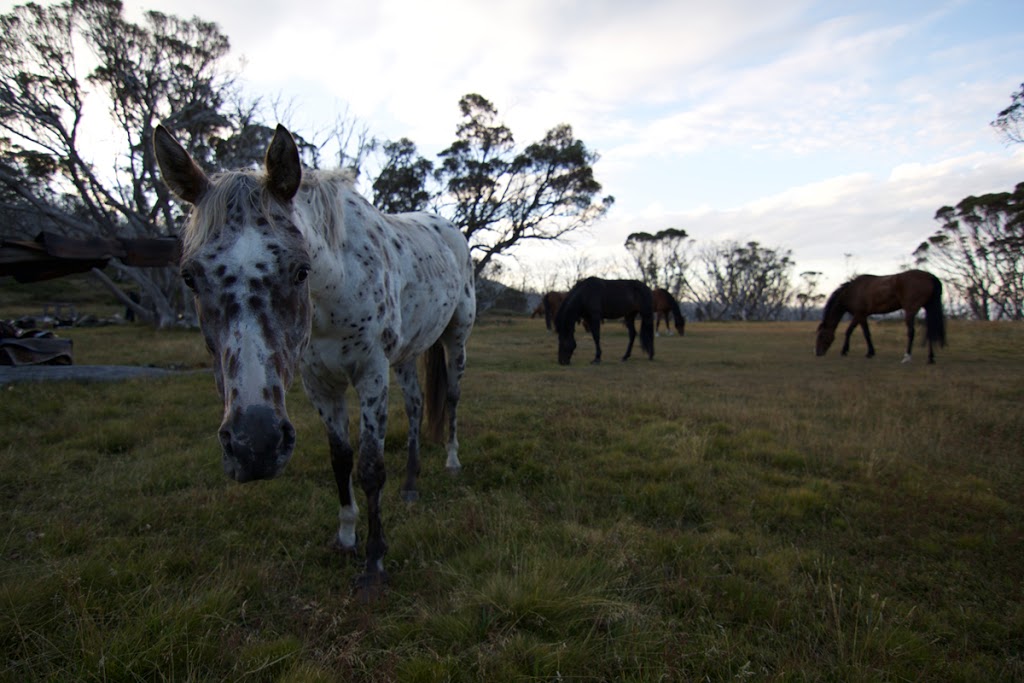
column 168, row 70
column 164, row 69
column 501, row 198
column 1010, row 121
column 979, row 251
column 662, row 259
column 743, row 281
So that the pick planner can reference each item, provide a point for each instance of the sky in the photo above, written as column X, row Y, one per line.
column 835, row 130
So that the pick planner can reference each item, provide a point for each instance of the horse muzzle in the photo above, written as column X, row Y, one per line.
column 257, row 444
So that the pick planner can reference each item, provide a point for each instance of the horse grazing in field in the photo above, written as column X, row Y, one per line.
column 593, row 299
column 292, row 269
column 867, row 294
column 665, row 304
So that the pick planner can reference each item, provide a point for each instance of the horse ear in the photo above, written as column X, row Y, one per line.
column 284, row 171
column 179, row 171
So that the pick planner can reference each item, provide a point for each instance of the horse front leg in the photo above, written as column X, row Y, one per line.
column 867, row 338
column 595, row 332
column 409, row 381
column 631, row 328
column 910, row 336
column 328, row 397
column 456, row 353
column 373, row 399
column 342, row 456
column 849, row 330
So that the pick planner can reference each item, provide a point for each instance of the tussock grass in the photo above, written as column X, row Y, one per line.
column 734, row 509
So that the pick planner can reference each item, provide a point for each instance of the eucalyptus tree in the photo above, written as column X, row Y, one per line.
column 743, row 281
column 96, row 177
column 1010, row 121
column 979, row 251
column 663, row 259
column 501, row 197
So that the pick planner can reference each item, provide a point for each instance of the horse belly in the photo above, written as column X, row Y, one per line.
column 426, row 312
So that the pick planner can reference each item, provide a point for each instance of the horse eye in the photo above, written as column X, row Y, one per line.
column 189, row 279
column 300, row 274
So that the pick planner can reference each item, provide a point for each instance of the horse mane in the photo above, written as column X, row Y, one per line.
column 569, row 311
column 677, row 313
column 321, row 195
column 242, row 187
column 834, row 306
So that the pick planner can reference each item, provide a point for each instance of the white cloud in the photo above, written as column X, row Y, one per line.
column 828, row 128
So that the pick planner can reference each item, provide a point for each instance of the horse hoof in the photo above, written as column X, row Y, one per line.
column 596, row 361
column 348, row 552
column 410, row 496
column 368, row 588
column 454, row 471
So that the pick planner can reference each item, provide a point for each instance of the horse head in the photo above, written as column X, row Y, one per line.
column 246, row 263
column 826, row 335
column 566, row 345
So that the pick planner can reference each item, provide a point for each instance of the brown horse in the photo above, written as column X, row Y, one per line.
column 549, row 304
column 910, row 291
column 664, row 304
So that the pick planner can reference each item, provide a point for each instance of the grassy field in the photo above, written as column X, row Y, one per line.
column 735, row 509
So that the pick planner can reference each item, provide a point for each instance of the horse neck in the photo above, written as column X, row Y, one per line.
column 330, row 208
column 323, row 207
column 677, row 313
column 568, row 312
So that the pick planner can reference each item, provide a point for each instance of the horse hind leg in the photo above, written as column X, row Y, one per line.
column 631, row 327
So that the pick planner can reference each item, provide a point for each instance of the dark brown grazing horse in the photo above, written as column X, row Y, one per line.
column 549, row 304
column 664, row 304
column 910, row 291
column 593, row 299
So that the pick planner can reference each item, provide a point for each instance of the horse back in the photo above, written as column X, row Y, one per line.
column 909, row 290
column 395, row 282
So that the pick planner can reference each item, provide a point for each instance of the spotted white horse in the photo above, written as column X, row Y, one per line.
column 293, row 268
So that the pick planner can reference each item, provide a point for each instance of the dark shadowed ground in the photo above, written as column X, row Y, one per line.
column 82, row 373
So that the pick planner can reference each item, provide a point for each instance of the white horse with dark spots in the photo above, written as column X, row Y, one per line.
column 293, row 269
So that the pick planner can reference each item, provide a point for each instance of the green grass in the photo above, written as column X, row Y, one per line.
column 735, row 509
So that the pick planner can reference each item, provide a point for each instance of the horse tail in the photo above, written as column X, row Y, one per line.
column 647, row 333
column 677, row 314
column 436, row 394
column 934, row 317
column 646, row 309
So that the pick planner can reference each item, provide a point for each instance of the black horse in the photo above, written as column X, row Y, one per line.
column 593, row 299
